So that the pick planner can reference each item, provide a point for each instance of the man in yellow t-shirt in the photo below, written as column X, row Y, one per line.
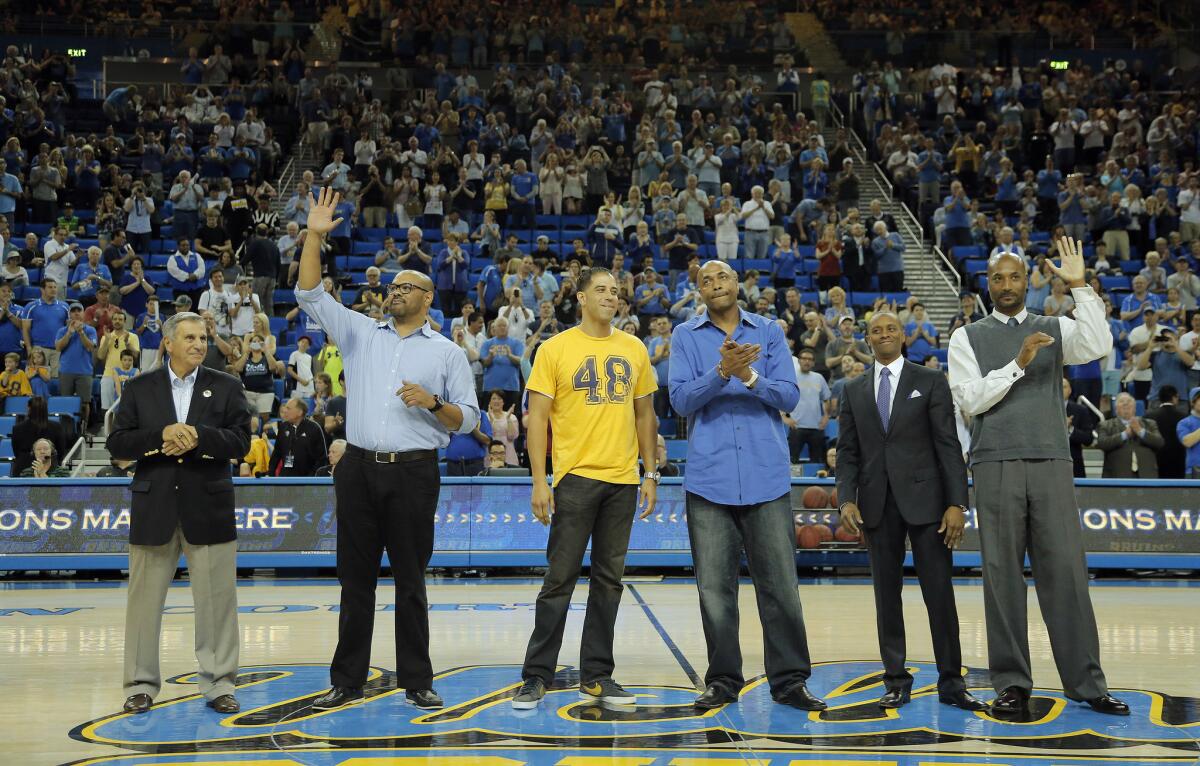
column 594, row 386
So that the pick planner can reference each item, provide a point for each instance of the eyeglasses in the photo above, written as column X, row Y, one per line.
column 404, row 288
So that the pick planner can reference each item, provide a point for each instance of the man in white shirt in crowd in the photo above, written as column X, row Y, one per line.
column 218, row 300
column 244, row 307
column 60, row 256
column 757, row 214
column 289, row 245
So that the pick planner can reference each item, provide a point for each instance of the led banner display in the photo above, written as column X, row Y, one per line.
column 81, row 517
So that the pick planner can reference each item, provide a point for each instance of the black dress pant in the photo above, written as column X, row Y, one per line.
column 583, row 508
column 384, row 506
column 934, row 564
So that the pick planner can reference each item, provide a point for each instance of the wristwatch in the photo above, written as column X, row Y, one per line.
column 653, row 476
column 437, row 403
column 753, row 378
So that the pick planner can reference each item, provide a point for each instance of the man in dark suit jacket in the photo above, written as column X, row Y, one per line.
column 183, row 423
column 1172, row 457
column 300, row 443
column 1081, row 427
column 1130, row 443
column 900, row 473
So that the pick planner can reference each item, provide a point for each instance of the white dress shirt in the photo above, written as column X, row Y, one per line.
column 181, row 392
column 1085, row 338
column 895, row 368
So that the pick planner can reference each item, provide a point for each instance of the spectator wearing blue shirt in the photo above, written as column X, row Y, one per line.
column 213, row 161
column 523, row 188
column 731, row 375
column 1006, row 188
column 807, row 420
column 12, row 322
column 920, row 335
column 1188, row 431
column 1048, row 180
column 336, row 174
column 10, row 192
column 76, row 345
column 650, row 299
column 658, row 345
column 465, row 453
column 785, row 257
column 1072, row 216
column 500, row 356
column 889, row 258
column 958, row 218
column 929, row 175
column 490, row 289
column 185, row 272
column 118, row 104
column 1137, row 302
column 148, row 327
column 525, row 281
column 1169, row 364
column 451, row 268
column 242, row 160
column 44, row 317
column 605, row 239
column 90, row 275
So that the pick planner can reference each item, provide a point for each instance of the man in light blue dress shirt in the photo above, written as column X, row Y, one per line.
column 407, row 388
column 731, row 375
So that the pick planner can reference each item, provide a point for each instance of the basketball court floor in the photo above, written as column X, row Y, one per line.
column 61, row 654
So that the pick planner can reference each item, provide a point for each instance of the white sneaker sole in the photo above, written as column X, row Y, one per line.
column 531, row 705
column 624, row 701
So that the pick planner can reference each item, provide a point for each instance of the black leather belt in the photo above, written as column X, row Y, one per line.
column 411, row 456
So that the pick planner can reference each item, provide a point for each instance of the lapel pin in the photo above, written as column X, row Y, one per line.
column 206, row 393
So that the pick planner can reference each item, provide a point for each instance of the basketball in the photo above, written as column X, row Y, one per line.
column 845, row 536
column 825, row 532
column 815, row 497
column 833, row 500
column 808, row 537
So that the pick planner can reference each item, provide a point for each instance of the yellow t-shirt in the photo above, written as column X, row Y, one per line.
column 259, row 456
column 330, row 361
column 116, row 346
column 15, row 383
column 593, row 382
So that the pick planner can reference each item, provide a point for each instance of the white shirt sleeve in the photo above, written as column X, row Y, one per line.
column 1086, row 337
column 973, row 391
column 174, row 269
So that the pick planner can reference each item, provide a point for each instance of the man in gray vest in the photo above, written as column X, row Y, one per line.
column 1006, row 373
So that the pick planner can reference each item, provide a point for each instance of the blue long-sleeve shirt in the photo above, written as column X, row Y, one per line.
column 889, row 253
column 737, row 442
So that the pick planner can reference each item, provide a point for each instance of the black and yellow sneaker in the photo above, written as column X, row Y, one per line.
column 606, row 690
column 530, row 694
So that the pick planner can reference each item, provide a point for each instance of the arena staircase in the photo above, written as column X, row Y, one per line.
column 812, row 38
column 926, row 275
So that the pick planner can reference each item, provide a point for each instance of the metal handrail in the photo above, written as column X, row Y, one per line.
column 81, row 446
column 956, row 285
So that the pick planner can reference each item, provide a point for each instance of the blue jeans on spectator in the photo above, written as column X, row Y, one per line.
column 766, row 531
column 757, row 242
column 520, row 218
column 185, row 224
column 583, row 508
column 1076, row 231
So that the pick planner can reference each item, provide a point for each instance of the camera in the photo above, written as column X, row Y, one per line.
column 255, row 346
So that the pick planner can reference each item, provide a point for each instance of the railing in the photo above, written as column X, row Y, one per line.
column 79, row 446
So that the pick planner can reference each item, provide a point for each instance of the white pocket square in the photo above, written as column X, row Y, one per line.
column 914, row 395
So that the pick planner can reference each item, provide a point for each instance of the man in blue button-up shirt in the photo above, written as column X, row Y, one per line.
column 407, row 388
column 731, row 375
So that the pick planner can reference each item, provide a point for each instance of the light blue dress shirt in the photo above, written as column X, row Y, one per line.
column 377, row 361
column 181, row 391
column 737, row 441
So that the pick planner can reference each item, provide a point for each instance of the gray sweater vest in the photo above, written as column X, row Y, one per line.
column 1029, row 423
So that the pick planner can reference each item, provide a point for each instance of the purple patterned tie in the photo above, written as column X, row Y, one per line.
column 883, row 399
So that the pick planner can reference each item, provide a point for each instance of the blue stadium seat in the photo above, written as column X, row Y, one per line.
column 370, row 235
column 279, row 389
column 5, row 469
column 366, row 248
column 1116, row 283
column 676, row 449
column 6, row 451
column 277, row 324
column 284, row 298
column 967, row 251
column 16, row 405
column 666, row 427
column 810, row 469
column 863, row 299
column 63, row 405
column 6, row 425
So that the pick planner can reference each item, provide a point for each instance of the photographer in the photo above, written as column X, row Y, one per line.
column 244, row 306
column 219, row 299
column 1167, row 362
column 139, row 208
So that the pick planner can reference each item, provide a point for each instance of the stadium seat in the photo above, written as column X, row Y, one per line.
column 6, row 450
column 16, row 405
column 676, row 449
column 6, row 425
column 5, row 469
column 63, row 405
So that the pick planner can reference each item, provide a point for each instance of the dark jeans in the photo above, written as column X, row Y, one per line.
column 718, row 534
column 813, row 437
column 935, row 566
column 384, row 506
column 891, row 282
column 604, row 512
column 185, row 225
column 520, row 218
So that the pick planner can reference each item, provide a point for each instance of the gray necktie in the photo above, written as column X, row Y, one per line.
column 1012, row 322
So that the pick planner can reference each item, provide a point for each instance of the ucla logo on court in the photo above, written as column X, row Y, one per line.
column 478, row 726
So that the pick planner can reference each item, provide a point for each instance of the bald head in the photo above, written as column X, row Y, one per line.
column 1002, row 257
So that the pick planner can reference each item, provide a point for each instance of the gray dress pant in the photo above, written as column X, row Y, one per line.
column 213, row 573
column 1029, row 506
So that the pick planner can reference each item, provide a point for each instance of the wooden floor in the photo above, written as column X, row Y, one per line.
column 61, row 653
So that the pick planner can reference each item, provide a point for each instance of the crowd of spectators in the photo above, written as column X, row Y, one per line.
column 1010, row 160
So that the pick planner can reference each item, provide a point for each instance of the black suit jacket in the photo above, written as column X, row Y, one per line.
column 919, row 457
column 1172, row 458
column 306, row 442
column 195, row 490
column 1082, row 434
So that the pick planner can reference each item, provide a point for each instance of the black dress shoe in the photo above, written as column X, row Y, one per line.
column 425, row 699
column 894, row 698
column 226, row 703
column 800, row 697
column 337, row 697
column 1012, row 701
column 1108, row 705
column 962, row 699
column 714, row 697
column 138, row 703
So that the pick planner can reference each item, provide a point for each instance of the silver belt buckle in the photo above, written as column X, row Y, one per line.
column 389, row 455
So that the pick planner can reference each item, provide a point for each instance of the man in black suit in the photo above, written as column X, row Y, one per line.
column 183, row 423
column 900, row 473
column 1172, row 457
column 1081, row 427
column 300, row 444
